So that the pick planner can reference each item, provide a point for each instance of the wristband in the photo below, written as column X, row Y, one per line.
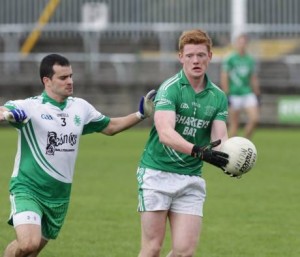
column 140, row 116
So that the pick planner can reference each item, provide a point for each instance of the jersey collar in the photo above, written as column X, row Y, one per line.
column 47, row 99
column 184, row 81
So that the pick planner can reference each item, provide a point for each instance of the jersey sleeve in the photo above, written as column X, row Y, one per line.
column 222, row 113
column 94, row 120
column 166, row 98
column 18, row 104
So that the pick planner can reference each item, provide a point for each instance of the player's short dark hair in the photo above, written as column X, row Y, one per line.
column 47, row 63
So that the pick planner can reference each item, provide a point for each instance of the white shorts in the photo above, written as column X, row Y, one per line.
column 242, row 102
column 159, row 190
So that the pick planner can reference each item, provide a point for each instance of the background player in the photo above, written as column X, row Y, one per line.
column 240, row 82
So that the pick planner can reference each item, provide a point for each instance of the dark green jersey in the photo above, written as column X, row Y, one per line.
column 195, row 113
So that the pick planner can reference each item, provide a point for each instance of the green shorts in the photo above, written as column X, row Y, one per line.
column 52, row 214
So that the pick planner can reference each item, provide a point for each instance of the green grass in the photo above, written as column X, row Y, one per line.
column 257, row 215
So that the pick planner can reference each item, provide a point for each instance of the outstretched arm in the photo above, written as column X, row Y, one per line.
column 2, row 111
column 146, row 109
column 119, row 124
column 15, row 115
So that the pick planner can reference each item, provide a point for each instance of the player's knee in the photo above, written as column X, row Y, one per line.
column 152, row 250
column 155, row 250
column 187, row 250
column 185, row 253
column 28, row 246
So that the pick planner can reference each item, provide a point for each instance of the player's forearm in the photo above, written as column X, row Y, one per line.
column 119, row 124
column 173, row 139
column 2, row 110
column 219, row 131
column 255, row 85
column 224, row 82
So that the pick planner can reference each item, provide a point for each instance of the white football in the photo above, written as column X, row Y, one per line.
column 242, row 155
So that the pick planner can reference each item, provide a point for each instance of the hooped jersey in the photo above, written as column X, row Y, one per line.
column 195, row 113
column 48, row 144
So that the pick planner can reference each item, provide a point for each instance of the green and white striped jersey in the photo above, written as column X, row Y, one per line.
column 48, row 144
column 195, row 113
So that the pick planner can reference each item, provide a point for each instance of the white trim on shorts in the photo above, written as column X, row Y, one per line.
column 160, row 190
column 26, row 217
column 238, row 102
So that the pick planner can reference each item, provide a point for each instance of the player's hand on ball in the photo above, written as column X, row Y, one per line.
column 15, row 115
column 205, row 153
column 146, row 107
column 242, row 156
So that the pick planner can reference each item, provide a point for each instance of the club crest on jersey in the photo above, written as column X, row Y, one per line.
column 55, row 142
column 210, row 110
column 77, row 120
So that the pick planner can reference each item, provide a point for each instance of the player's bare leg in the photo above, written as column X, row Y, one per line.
column 233, row 121
column 185, row 231
column 253, row 117
column 29, row 242
column 153, row 233
column 42, row 245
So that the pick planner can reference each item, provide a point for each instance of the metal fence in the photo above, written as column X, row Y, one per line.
column 161, row 20
column 133, row 18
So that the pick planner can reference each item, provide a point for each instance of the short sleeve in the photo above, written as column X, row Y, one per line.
column 222, row 113
column 166, row 98
column 95, row 121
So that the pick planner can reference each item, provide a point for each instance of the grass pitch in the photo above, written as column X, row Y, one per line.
column 257, row 215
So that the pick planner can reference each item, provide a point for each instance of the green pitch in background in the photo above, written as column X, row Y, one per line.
column 257, row 215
